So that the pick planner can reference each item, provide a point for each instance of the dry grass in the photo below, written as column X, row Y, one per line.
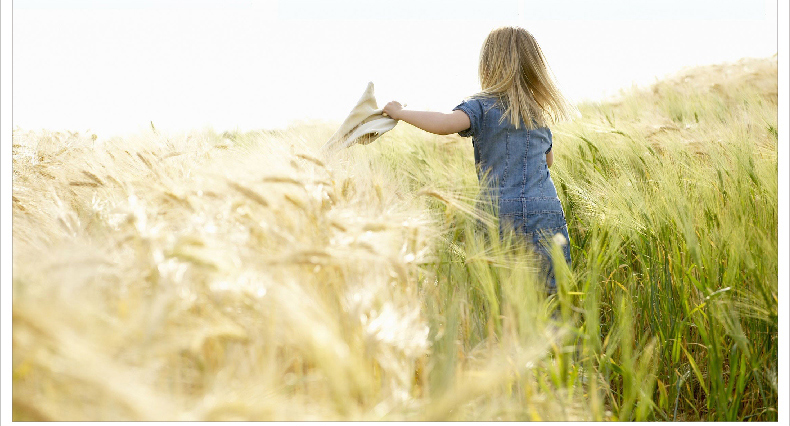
column 197, row 278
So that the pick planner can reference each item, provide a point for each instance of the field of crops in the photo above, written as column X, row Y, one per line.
column 248, row 276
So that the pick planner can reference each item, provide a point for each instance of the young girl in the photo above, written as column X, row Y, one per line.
column 508, row 123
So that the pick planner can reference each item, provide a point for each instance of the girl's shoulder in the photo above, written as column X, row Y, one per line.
column 485, row 100
column 491, row 109
column 476, row 108
column 480, row 104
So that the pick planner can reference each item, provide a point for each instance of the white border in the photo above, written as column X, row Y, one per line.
column 5, row 209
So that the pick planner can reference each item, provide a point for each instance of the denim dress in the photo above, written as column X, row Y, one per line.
column 512, row 169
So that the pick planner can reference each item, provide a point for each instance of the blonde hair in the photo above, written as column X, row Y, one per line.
column 514, row 70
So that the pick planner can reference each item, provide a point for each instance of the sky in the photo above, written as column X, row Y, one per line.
column 113, row 66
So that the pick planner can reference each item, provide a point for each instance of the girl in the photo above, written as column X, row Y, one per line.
column 508, row 122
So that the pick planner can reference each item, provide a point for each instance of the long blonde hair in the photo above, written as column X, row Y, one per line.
column 514, row 70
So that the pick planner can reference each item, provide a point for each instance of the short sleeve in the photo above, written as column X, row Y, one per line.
column 551, row 141
column 474, row 110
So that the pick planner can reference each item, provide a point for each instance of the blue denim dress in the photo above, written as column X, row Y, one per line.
column 511, row 166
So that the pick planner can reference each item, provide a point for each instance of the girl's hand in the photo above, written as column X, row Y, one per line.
column 393, row 110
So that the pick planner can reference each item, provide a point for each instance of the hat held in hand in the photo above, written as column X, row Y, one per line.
column 364, row 124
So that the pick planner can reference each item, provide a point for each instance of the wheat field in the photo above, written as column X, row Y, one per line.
column 247, row 276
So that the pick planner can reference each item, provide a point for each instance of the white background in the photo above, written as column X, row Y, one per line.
column 114, row 66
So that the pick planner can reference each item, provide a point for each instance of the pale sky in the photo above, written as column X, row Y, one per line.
column 112, row 66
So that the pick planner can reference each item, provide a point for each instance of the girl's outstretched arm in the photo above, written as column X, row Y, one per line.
column 435, row 122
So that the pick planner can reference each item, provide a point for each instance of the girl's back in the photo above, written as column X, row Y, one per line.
column 511, row 165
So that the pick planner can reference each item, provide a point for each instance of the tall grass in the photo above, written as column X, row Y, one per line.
column 243, row 277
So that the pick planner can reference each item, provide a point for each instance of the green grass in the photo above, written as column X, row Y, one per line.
column 672, row 297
